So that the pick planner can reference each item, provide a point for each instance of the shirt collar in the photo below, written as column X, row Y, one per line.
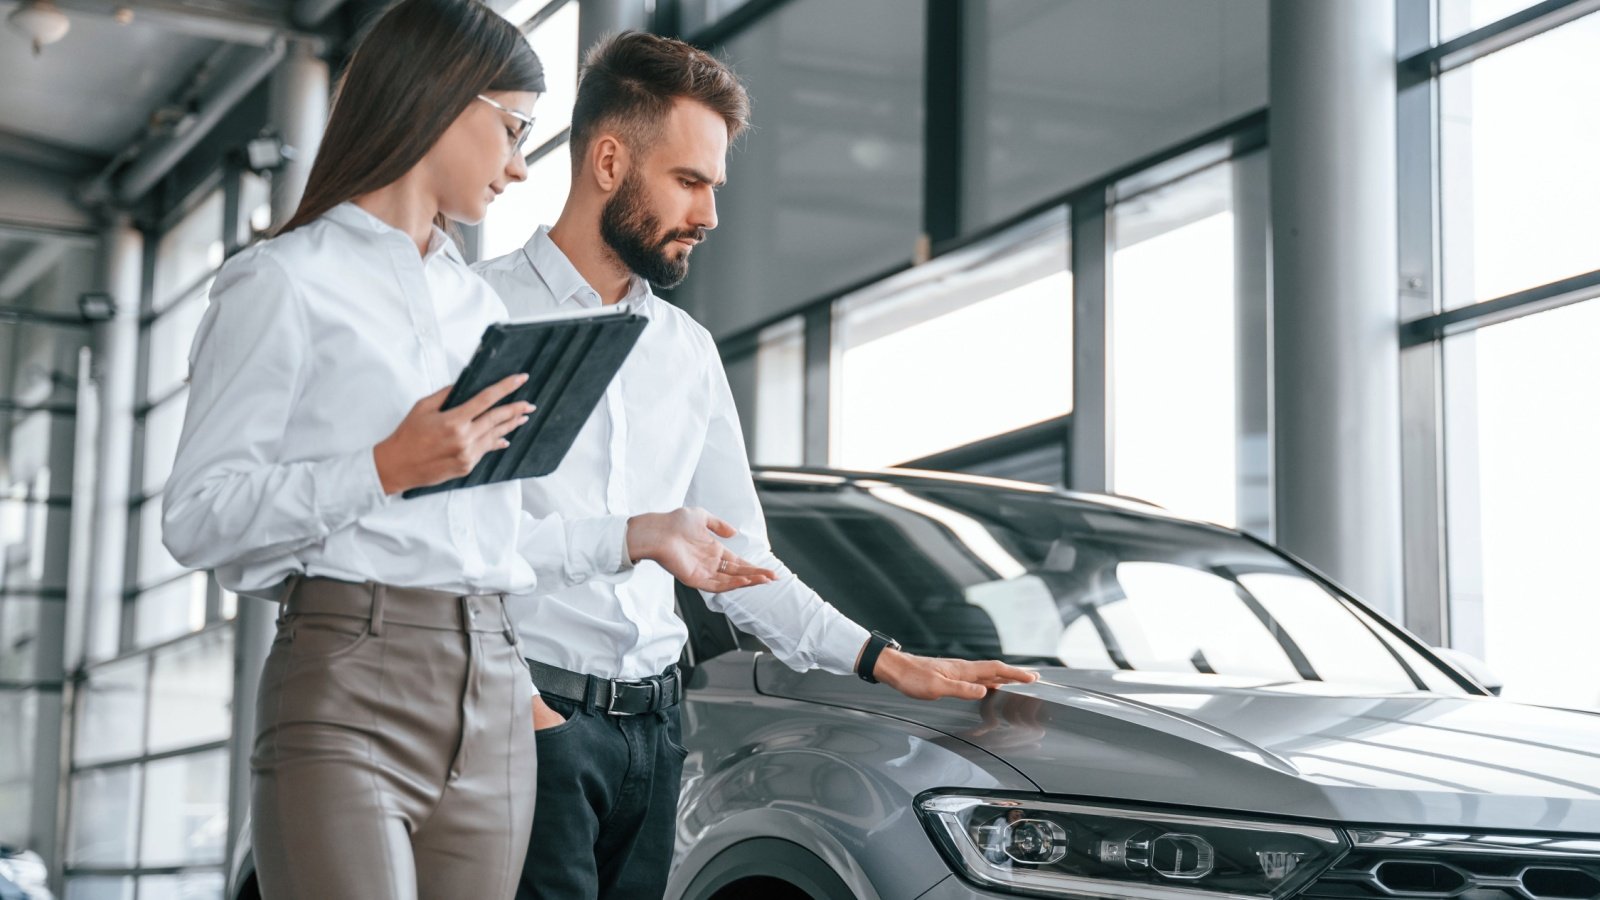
column 566, row 284
column 350, row 215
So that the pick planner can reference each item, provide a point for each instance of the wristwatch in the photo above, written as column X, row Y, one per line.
column 869, row 656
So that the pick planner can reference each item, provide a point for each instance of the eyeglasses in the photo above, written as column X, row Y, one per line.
column 525, row 124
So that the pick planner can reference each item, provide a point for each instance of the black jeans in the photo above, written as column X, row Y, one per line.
column 603, row 819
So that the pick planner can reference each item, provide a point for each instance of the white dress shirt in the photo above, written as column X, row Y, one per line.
column 315, row 347
column 665, row 435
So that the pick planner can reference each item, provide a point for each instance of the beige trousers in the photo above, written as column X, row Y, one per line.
column 394, row 755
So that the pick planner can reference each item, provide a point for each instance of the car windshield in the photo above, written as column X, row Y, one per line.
column 981, row 572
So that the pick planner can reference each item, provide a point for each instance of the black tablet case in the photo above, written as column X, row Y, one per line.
column 569, row 362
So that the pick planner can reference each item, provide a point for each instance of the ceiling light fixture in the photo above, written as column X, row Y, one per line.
column 41, row 22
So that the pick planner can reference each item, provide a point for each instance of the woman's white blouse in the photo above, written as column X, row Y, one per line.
column 315, row 346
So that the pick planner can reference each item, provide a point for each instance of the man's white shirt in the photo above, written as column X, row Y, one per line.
column 665, row 435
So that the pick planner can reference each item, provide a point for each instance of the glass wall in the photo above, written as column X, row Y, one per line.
column 826, row 190
column 1518, row 183
column 132, row 813
column 41, row 336
column 517, row 213
column 1173, row 314
column 1057, row 94
column 1502, row 338
column 780, row 394
column 1523, row 484
column 972, row 346
column 147, row 812
column 958, row 343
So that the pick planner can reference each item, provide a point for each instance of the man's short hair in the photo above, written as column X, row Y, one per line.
column 630, row 82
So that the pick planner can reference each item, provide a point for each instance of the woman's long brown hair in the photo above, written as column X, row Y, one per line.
column 411, row 75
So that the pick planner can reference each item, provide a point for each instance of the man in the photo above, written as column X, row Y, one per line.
column 650, row 134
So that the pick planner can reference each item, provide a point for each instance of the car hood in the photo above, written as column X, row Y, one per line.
column 1308, row 749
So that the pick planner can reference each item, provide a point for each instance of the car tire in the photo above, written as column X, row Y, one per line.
column 770, row 868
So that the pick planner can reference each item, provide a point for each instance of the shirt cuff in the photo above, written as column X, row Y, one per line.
column 840, row 647
column 347, row 488
column 597, row 546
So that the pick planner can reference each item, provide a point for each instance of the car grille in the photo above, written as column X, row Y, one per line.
column 1385, row 865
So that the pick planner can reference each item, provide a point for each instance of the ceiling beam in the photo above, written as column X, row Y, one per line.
column 310, row 13
column 48, row 155
column 32, row 265
column 221, row 21
column 154, row 162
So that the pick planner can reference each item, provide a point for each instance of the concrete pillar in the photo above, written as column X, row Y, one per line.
column 598, row 18
column 1253, row 335
column 1336, row 402
column 117, row 371
column 300, row 98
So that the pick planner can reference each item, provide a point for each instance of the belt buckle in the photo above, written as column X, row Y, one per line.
column 616, row 690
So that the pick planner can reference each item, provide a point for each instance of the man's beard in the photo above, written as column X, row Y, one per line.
column 634, row 234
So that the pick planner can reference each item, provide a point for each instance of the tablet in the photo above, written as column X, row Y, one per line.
column 570, row 359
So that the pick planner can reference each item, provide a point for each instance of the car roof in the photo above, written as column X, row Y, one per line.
column 822, row 476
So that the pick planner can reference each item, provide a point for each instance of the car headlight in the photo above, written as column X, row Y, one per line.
column 1063, row 849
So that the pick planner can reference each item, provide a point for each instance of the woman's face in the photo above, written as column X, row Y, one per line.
column 473, row 161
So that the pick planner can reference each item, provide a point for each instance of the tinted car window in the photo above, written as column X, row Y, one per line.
column 975, row 572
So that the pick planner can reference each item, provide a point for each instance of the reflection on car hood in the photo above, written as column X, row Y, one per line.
column 1305, row 749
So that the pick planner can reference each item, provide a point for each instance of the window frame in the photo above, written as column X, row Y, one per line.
column 1425, row 323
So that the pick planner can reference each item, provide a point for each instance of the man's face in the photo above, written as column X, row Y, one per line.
column 667, row 201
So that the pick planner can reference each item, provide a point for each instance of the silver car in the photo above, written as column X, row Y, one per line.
column 1213, row 720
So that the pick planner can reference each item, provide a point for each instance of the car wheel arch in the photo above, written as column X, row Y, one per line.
column 766, row 863
column 745, row 833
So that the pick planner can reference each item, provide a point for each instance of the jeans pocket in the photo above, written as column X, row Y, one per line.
column 568, row 710
column 672, row 733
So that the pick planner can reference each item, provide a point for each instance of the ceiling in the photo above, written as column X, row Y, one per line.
column 94, row 91
column 83, row 100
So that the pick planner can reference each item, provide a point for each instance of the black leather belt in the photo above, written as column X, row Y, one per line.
column 611, row 696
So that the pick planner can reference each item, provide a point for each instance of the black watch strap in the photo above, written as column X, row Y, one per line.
column 876, row 644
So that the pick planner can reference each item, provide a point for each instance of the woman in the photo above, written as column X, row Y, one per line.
column 394, row 756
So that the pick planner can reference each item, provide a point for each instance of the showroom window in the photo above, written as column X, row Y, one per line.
column 1172, row 347
column 41, row 339
column 170, row 600
column 1181, row 349
column 147, row 811
column 973, row 345
column 1056, row 94
column 1518, row 182
column 148, row 802
column 826, row 190
column 515, row 214
column 1497, row 345
column 780, row 394
column 1521, row 447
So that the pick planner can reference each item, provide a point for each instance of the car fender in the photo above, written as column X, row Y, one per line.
column 758, row 824
column 838, row 783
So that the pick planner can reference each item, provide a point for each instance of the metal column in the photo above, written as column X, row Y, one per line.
column 117, row 343
column 1335, row 281
column 300, row 113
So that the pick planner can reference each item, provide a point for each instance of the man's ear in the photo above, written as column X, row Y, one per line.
column 609, row 161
